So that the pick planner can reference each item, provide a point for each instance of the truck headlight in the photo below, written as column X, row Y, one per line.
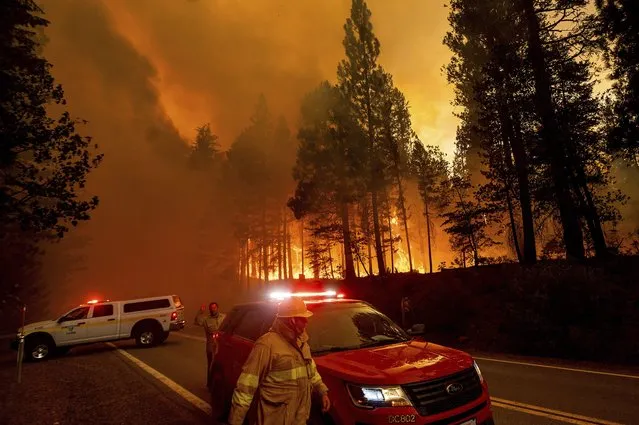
column 481, row 377
column 370, row 397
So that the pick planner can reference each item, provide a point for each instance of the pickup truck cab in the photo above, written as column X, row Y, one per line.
column 147, row 320
column 375, row 371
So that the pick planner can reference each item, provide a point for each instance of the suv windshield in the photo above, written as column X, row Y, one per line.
column 348, row 326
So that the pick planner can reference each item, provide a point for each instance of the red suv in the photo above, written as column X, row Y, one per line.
column 375, row 371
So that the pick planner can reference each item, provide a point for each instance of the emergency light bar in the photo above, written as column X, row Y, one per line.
column 283, row 295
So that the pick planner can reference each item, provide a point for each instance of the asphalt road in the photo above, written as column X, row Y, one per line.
column 93, row 384
column 522, row 393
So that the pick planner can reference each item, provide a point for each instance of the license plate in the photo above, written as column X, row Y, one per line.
column 402, row 419
column 469, row 422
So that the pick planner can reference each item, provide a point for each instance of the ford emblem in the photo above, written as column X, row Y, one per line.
column 454, row 388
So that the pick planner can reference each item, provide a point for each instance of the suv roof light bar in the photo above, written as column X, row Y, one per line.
column 283, row 295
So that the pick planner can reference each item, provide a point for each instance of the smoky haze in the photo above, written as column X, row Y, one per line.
column 146, row 73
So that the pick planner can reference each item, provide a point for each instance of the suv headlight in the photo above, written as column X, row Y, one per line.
column 481, row 377
column 370, row 397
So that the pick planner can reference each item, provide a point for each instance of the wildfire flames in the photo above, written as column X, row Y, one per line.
column 400, row 262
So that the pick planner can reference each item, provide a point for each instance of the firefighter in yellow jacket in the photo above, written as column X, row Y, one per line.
column 281, row 371
column 211, row 324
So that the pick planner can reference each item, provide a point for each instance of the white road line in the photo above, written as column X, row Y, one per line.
column 183, row 335
column 570, row 369
column 558, row 415
column 180, row 390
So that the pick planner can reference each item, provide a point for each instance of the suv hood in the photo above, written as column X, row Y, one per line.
column 394, row 364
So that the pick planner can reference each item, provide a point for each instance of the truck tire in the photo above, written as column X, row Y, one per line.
column 147, row 334
column 38, row 348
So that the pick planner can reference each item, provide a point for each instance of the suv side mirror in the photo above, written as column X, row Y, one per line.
column 417, row 329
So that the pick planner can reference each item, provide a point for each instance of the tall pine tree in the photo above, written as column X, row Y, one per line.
column 361, row 78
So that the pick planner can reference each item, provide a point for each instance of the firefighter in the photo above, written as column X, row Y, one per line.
column 211, row 324
column 282, row 372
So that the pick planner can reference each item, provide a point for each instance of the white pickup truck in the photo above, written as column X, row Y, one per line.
column 148, row 320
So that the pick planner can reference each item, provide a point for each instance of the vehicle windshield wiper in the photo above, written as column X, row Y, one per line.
column 381, row 343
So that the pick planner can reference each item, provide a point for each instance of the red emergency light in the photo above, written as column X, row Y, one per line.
column 281, row 295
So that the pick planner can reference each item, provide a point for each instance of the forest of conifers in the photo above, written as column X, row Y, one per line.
column 545, row 164
column 547, row 94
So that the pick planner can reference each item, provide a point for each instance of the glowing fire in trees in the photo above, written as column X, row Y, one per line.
column 399, row 264
column 400, row 258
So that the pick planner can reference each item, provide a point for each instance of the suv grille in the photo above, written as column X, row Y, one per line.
column 431, row 397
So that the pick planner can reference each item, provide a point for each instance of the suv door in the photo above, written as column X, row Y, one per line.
column 254, row 323
column 242, row 327
column 73, row 327
column 224, row 355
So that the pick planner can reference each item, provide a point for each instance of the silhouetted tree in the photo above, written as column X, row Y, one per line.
column 619, row 22
column 361, row 79
column 430, row 170
column 465, row 219
column 492, row 85
column 396, row 137
column 44, row 162
column 525, row 84
column 328, row 169
column 205, row 148
column 259, row 173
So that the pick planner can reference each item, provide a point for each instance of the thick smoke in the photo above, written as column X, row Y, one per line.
column 145, row 73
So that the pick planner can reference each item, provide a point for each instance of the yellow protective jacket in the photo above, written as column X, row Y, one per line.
column 280, row 375
column 211, row 325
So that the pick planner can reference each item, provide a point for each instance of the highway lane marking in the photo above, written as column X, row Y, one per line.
column 174, row 386
column 197, row 338
column 558, row 415
column 570, row 369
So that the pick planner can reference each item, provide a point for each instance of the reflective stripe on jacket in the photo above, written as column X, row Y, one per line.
column 211, row 325
column 281, row 374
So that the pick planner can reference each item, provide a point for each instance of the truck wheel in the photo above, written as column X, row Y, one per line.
column 148, row 335
column 38, row 348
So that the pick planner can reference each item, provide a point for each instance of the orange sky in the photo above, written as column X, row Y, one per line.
column 146, row 73
column 213, row 57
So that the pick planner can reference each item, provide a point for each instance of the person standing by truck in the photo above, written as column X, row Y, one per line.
column 211, row 324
